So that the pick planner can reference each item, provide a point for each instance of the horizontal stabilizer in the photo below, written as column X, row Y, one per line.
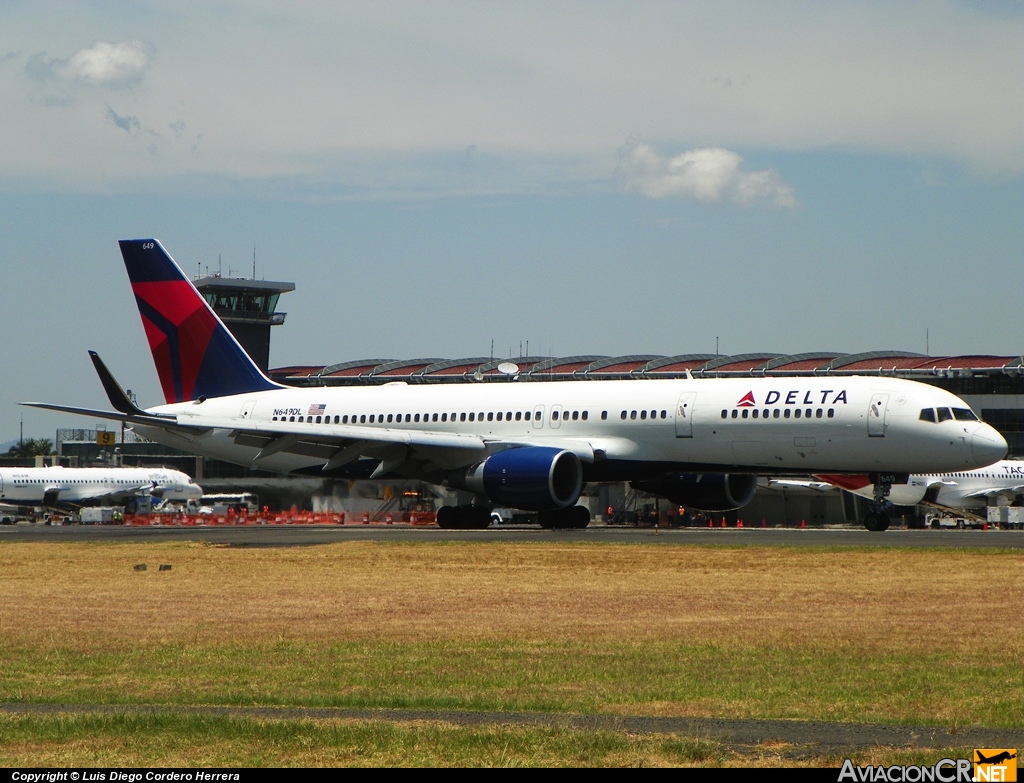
column 91, row 412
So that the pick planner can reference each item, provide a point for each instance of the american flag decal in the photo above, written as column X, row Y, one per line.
column 316, row 410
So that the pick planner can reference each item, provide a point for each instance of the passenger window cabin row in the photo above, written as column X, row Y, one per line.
column 643, row 415
column 416, row 418
column 927, row 414
column 779, row 413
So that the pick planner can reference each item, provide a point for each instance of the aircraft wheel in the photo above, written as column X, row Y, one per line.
column 581, row 517
column 572, row 518
column 876, row 522
column 478, row 518
column 463, row 520
column 554, row 520
column 447, row 518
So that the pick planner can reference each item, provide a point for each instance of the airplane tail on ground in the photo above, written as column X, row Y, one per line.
column 195, row 354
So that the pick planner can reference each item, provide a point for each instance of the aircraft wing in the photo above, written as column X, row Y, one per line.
column 332, row 433
column 988, row 492
column 341, row 443
column 52, row 494
column 818, row 486
column 140, row 490
column 281, row 436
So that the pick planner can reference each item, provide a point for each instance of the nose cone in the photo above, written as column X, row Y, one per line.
column 987, row 446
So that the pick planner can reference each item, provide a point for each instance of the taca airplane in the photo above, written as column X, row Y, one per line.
column 59, row 486
column 529, row 445
column 956, row 490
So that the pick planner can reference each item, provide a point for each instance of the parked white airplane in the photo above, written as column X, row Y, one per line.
column 90, row 486
column 956, row 490
column 529, row 445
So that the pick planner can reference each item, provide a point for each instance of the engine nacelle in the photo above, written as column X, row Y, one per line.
column 532, row 478
column 703, row 491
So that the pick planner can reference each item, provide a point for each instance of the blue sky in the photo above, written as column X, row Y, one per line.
column 594, row 178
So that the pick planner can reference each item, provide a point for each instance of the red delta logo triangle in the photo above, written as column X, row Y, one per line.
column 747, row 401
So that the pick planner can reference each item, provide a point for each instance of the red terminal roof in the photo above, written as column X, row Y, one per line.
column 649, row 366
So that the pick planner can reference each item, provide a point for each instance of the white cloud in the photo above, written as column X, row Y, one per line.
column 104, row 64
column 112, row 64
column 709, row 175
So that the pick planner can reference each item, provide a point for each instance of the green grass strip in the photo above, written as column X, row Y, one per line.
column 649, row 679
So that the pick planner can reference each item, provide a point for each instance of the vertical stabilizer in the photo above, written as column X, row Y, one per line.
column 195, row 354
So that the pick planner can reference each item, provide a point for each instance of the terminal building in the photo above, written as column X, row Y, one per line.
column 248, row 308
column 992, row 385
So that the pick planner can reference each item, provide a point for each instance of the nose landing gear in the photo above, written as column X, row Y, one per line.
column 877, row 518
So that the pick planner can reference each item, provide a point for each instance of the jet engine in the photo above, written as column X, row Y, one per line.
column 532, row 478
column 702, row 491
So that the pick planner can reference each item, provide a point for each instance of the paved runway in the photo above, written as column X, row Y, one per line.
column 309, row 535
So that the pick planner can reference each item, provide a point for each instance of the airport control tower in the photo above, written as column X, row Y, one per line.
column 248, row 308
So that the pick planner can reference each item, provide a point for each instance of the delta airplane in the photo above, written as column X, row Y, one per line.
column 965, row 489
column 529, row 445
column 59, row 486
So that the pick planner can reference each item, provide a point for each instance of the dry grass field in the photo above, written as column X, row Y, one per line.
column 88, row 597
column 880, row 635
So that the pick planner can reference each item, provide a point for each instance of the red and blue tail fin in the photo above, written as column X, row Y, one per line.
column 195, row 354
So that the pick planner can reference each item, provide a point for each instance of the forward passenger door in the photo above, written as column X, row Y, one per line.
column 684, row 415
column 877, row 414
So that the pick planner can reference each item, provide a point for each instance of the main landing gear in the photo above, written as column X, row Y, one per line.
column 463, row 517
column 571, row 518
column 877, row 518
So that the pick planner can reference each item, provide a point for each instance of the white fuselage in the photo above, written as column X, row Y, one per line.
column 619, row 429
column 81, row 486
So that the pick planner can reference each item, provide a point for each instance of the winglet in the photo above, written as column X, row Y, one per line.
column 117, row 396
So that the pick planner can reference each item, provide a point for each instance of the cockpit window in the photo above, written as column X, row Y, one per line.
column 944, row 414
column 927, row 414
column 964, row 414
